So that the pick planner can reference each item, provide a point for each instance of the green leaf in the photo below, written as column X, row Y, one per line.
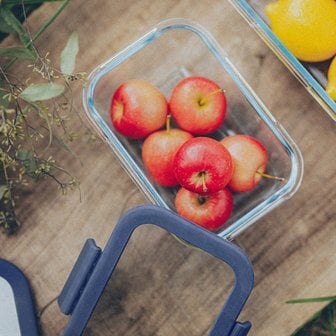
column 4, row 103
column 15, row 24
column 24, row 154
column 43, row 91
column 26, row 2
column 330, row 316
column 4, row 27
column 40, row 31
column 319, row 299
column 69, row 53
column 50, row 20
column 3, row 189
column 17, row 52
column 28, row 161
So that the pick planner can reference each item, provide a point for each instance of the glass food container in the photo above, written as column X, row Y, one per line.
column 313, row 76
column 168, row 52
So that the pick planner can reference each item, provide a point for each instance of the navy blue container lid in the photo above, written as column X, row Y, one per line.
column 94, row 268
column 17, row 301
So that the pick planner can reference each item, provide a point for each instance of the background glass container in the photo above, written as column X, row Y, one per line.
column 313, row 76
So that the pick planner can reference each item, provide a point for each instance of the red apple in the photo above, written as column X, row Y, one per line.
column 158, row 152
column 203, row 165
column 138, row 108
column 249, row 159
column 208, row 211
column 198, row 105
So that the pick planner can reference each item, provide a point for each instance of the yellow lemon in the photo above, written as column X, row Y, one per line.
column 306, row 27
column 331, row 87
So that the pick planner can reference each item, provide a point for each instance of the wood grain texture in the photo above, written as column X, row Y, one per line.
column 161, row 287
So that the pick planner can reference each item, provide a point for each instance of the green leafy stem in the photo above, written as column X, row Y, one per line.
column 14, row 25
column 321, row 323
column 30, row 110
column 318, row 299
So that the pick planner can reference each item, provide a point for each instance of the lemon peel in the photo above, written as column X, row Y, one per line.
column 306, row 27
column 331, row 86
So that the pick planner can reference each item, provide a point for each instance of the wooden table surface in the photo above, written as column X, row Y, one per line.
column 162, row 287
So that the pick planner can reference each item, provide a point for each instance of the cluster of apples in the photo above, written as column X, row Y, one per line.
column 205, row 169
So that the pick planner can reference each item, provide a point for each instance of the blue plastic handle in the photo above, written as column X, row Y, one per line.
column 98, row 268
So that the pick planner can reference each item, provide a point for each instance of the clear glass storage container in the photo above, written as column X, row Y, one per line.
column 168, row 52
column 313, row 76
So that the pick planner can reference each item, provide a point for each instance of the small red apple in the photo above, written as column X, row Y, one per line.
column 158, row 152
column 202, row 166
column 198, row 105
column 138, row 108
column 208, row 211
column 249, row 157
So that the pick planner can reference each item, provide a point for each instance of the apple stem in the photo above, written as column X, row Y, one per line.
column 205, row 189
column 202, row 101
column 168, row 122
column 271, row 177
